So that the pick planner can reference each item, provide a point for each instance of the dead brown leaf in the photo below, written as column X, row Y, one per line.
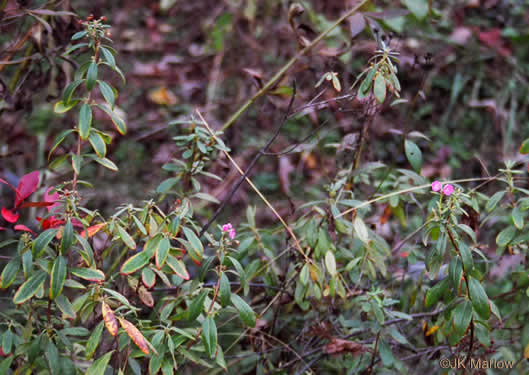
column 337, row 346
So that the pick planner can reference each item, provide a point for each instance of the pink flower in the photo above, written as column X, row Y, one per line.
column 229, row 228
column 447, row 190
column 436, row 186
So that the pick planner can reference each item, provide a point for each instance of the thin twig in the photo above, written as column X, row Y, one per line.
column 298, row 246
column 409, row 190
column 250, row 166
column 288, row 65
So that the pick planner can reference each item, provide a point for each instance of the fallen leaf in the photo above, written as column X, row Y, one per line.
column 336, row 346
column 163, row 96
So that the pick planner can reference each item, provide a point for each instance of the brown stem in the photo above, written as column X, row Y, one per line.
column 370, row 369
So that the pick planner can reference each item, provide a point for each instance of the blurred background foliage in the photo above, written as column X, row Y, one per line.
column 177, row 56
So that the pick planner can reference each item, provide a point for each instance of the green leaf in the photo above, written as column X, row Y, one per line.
column 505, row 236
column 67, row 237
column 9, row 273
column 379, row 89
column 89, row 274
column 79, row 35
column 385, row 353
column 76, row 163
column 100, row 365
column 58, row 140
column 419, row 8
column 93, row 341
column 7, row 341
column 414, row 155
column 224, row 290
column 135, row 263
column 304, row 274
column 69, row 90
column 524, row 148
column 107, row 163
column 52, row 356
column 148, row 277
column 5, row 365
column 330, row 262
column 245, row 311
column 118, row 121
column 162, row 252
column 61, row 107
column 98, row 144
column 435, row 292
column 363, row 90
column 108, row 56
column 209, row 336
column 494, row 200
column 30, row 287
column 462, row 316
column 196, row 245
column 65, row 306
column 479, row 298
column 466, row 256
column 197, row 306
column 58, row 277
column 517, row 217
column 178, row 267
column 152, row 245
column 43, row 240
column 361, row 230
column 167, row 185
column 91, row 76
column 127, row 239
column 455, row 271
column 107, row 93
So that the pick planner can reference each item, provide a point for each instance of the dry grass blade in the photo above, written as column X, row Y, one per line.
column 288, row 229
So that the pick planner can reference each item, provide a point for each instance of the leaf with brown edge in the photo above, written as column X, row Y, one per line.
column 145, row 296
column 135, row 335
column 178, row 267
column 110, row 319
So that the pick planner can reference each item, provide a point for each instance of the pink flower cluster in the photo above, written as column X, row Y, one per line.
column 229, row 228
column 446, row 190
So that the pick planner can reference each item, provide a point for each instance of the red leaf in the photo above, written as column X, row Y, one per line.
column 27, row 185
column 51, row 222
column 36, row 204
column 23, row 228
column 53, row 198
column 492, row 38
column 10, row 216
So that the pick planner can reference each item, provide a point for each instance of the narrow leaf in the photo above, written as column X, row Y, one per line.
column 100, row 365
column 209, row 336
column 135, row 334
column 30, row 287
column 91, row 76
column 58, row 277
column 85, row 121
